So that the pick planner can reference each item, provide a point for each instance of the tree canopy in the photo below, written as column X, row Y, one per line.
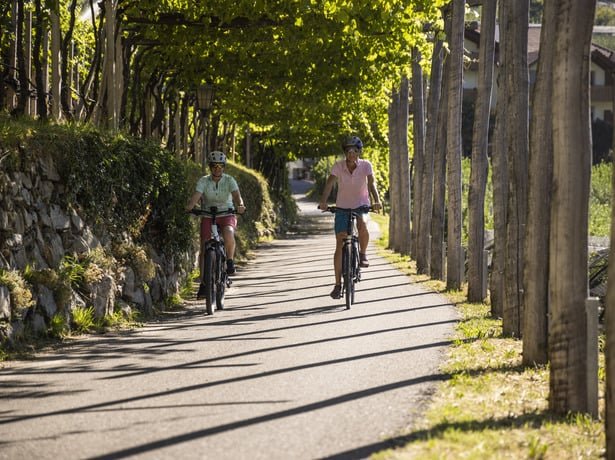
column 306, row 70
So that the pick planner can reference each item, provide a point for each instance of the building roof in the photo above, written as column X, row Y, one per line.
column 602, row 56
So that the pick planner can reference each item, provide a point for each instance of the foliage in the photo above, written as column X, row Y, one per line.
column 605, row 16
column 58, row 281
column 83, row 319
column 21, row 297
column 137, row 258
column 59, row 326
column 300, row 71
column 600, row 200
column 123, row 185
column 606, row 40
column 259, row 221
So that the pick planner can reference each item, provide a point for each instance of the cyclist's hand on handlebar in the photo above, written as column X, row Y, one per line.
column 377, row 206
column 322, row 206
column 241, row 209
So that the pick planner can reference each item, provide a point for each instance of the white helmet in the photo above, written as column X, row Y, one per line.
column 216, row 157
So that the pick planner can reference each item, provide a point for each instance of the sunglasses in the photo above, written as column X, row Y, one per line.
column 216, row 165
column 352, row 150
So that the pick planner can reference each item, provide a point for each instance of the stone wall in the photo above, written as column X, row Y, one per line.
column 38, row 230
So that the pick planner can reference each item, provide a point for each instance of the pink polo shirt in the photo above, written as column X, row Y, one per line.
column 352, row 187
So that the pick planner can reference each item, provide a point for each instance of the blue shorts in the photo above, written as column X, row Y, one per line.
column 341, row 220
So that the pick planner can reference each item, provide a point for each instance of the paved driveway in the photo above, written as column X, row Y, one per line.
column 284, row 372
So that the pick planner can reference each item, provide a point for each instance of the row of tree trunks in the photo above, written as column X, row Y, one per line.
column 424, row 207
column 437, row 265
column 399, row 169
column 541, row 219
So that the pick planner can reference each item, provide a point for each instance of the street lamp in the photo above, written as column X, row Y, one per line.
column 205, row 95
column 205, row 98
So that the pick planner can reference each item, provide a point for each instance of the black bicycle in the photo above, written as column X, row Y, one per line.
column 351, row 268
column 213, row 272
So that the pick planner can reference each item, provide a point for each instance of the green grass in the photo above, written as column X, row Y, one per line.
column 491, row 407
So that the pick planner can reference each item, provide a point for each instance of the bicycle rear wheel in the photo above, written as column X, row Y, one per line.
column 347, row 275
column 209, row 279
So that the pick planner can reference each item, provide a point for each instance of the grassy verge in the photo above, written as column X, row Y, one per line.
column 491, row 407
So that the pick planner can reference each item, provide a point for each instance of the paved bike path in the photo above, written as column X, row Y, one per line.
column 283, row 372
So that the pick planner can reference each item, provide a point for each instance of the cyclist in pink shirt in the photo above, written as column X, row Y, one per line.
column 355, row 184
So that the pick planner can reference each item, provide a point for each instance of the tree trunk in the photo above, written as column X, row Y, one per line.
column 404, row 167
column 568, row 386
column 517, row 146
column 499, row 179
column 111, row 106
column 394, row 172
column 22, row 72
column 56, row 64
column 480, row 164
column 437, row 268
column 418, row 141
column 433, row 103
column 40, row 69
column 67, row 44
column 536, row 264
column 609, row 319
column 454, row 255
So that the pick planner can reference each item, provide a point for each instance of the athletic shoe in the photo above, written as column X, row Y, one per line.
column 230, row 267
column 201, row 293
column 363, row 260
column 336, row 293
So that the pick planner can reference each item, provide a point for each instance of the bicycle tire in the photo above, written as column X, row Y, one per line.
column 209, row 279
column 347, row 274
column 221, row 279
column 356, row 268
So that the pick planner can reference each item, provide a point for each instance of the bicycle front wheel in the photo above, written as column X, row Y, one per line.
column 347, row 275
column 221, row 279
column 209, row 279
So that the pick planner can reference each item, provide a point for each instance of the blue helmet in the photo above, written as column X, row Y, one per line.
column 353, row 141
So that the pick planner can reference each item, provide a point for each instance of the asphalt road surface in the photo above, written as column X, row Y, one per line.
column 284, row 372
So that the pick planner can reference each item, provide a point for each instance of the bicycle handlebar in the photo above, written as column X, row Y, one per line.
column 360, row 209
column 212, row 212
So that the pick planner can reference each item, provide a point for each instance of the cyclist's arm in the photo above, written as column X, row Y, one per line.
column 326, row 192
column 193, row 201
column 238, row 201
column 371, row 186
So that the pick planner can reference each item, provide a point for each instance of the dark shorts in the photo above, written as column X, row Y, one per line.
column 224, row 221
column 342, row 218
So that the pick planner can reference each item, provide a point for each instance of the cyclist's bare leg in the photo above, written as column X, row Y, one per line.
column 363, row 233
column 337, row 257
column 228, row 235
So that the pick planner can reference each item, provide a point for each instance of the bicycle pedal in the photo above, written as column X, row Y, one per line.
column 228, row 282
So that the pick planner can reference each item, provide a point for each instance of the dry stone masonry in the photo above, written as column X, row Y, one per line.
column 38, row 231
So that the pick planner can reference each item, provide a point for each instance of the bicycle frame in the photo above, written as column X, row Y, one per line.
column 213, row 269
column 351, row 269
